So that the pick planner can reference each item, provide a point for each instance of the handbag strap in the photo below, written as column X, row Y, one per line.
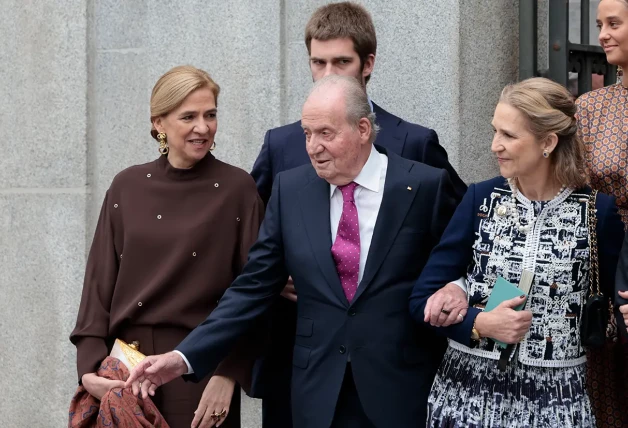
column 594, row 271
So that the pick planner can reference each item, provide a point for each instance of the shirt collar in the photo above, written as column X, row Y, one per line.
column 369, row 177
column 370, row 103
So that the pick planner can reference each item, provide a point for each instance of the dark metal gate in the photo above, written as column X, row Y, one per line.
column 563, row 56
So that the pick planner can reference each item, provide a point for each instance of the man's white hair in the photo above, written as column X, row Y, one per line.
column 356, row 101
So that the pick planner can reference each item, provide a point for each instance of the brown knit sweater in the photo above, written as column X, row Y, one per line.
column 168, row 244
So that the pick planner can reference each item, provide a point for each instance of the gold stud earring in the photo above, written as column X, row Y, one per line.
column 213, row 146
column 163, row 143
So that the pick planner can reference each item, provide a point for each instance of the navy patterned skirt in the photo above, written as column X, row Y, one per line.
column 470, row 391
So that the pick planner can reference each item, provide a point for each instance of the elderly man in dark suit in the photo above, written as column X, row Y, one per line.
column 354, row 229
column 340, row 39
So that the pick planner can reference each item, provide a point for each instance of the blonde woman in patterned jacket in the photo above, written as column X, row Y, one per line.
column 533, row 217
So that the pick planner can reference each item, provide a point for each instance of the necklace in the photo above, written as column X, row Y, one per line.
column 524, row 228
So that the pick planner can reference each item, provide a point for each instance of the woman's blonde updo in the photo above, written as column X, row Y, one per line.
column 174, row 86
column 550, row 108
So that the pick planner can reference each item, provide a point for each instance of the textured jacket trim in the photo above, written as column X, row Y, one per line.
column 494, row 355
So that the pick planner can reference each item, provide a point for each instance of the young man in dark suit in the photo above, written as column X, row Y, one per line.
column 340, row 39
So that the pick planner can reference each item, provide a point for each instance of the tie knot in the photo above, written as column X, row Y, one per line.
column 347, row 191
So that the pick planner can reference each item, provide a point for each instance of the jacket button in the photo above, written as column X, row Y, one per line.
column 342, row 349
column 351, row 312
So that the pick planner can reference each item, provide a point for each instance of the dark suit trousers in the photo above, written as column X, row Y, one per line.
column 276, row 402
column 277, row 406
column 349, row 411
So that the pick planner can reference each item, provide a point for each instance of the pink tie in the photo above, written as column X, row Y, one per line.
column 346, row 248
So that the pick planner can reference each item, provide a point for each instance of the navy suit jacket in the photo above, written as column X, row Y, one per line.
column 393, row 359
column 284, row 149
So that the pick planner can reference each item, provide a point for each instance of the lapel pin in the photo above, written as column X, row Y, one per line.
column 409, row 188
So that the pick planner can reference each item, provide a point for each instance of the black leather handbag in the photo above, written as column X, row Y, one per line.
column 595, row 312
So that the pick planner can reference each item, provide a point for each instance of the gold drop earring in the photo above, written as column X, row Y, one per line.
column 163, row 143
column 213, row 146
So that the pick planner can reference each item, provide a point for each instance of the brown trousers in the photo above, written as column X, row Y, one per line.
column 178, row 399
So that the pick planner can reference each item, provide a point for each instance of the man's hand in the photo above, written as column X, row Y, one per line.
column 155, row 371
column 98, row 386
column 447, row 306
column 289, row 292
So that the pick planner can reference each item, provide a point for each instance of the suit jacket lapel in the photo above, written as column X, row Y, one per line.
column 399, row 192
column 390, row 136
column 314, row 202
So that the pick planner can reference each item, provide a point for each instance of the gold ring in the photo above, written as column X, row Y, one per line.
column 217, row 415
column 461, row 317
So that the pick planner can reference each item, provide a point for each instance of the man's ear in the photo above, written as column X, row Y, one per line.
column 365, row 128
column 369, row 64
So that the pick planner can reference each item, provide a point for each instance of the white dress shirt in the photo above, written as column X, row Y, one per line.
column 187, row 363
column 368, row 199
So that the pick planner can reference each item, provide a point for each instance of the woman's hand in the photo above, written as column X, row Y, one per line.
column 215, row 401
column 98, row 386
column 504, row 323
column 624, row 308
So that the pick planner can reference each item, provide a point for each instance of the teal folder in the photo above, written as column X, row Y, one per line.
column 503, row 290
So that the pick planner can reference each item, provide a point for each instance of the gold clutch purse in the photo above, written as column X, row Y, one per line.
column 128, row 354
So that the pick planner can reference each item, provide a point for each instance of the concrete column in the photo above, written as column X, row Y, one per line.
column 43, row 86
